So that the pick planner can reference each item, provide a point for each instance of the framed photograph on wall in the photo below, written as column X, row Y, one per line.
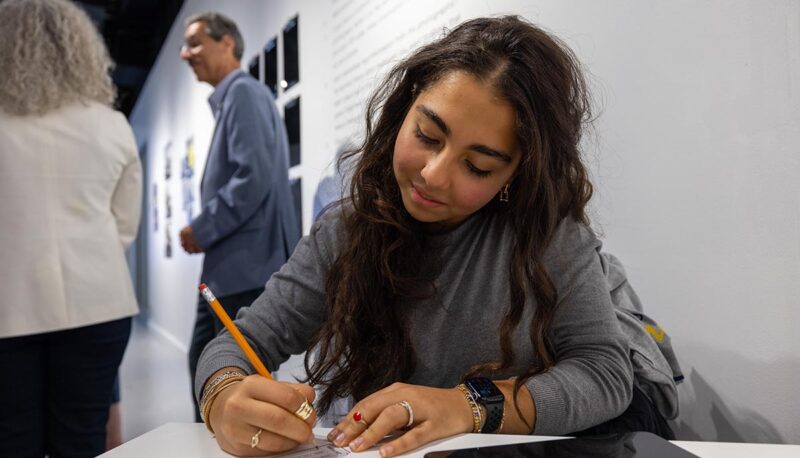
column 187, row 181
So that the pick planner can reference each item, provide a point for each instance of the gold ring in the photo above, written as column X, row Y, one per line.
column 304, row 411
column 254, row 440
column 364, row 422
column 407, row 406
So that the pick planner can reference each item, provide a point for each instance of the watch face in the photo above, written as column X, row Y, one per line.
column 484, row 389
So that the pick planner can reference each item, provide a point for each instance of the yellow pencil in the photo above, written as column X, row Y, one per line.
column 237, row 336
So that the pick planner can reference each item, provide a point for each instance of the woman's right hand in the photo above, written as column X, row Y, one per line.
column 257, row 403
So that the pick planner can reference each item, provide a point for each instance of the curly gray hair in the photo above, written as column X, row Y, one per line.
column 219, row 25
column 51, row 55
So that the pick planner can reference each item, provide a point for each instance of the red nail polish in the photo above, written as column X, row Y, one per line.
column 357, row 416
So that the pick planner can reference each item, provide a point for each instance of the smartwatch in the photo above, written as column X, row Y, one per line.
column 486, row 393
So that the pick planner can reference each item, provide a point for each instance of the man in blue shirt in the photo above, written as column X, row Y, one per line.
column 247, row 227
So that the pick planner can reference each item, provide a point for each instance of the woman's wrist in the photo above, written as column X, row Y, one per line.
column 218, row 382
column 512, row 422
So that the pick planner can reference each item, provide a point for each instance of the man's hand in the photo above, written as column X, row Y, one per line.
column 188, row 242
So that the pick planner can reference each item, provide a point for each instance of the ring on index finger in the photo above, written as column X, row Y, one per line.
column 304, row 411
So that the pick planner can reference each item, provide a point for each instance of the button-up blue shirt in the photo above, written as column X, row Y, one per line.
column 216, row 97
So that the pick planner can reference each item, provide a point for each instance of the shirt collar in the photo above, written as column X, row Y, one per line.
column 216, row 97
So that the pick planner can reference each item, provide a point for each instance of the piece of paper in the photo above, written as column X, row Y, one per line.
column 322, row 449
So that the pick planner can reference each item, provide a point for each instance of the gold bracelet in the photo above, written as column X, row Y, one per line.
column 484, row 415
column 205, row 408
column 208, row 399
column 476, row 412
column 216, row 389
column 219, row 379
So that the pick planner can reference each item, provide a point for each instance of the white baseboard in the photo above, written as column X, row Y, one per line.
column 166, row 335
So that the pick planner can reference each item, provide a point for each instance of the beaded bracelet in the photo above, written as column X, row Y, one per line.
column 477, row 419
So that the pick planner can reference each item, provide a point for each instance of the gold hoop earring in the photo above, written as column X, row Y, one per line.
column 504, row 193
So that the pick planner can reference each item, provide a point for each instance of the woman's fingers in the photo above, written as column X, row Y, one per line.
column 276, row 410
column 258, row 404
column 277, row 420
column 242, row 439
column 368, row 409
column 374, row 417
column 415, row 438
column 389, row 420
column 304, row 390
column 437, row 413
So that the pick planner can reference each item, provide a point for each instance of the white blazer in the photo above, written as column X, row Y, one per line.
column 70, row 202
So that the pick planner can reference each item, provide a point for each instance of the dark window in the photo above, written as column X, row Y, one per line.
column 291, row 113
column 252, row 67
column 291, row 70
column 297, row 195
column 271, row 65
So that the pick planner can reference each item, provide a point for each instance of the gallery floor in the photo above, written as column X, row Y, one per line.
column 154, row 383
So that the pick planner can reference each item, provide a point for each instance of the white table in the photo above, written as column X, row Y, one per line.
column 176, row 440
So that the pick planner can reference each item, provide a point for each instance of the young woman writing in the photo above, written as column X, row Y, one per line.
column 463, row 250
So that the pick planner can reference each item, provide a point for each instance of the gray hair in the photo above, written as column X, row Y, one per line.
column 51, row 55
column 217, row 26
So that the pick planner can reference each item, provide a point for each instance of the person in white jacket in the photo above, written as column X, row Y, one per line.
column 70, row 202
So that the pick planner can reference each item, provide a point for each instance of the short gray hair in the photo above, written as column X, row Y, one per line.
column 217, row 26
column 51, row 55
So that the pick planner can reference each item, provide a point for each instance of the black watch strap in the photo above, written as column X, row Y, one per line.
column 494, row 416
column 486, row 393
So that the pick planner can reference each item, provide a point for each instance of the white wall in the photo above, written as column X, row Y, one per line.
column 695, row 157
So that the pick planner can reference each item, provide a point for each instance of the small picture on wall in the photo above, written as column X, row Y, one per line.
column 167, row 241
column 167, row 223
column 168, row 206
column 154, row 203
column 187, row 182
column 168, row 161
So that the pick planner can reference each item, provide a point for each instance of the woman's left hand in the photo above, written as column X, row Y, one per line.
column 437, row 413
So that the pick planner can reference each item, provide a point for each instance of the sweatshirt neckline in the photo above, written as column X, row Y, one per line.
column 452, row 236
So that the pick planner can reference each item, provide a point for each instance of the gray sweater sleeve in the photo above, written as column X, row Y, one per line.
column 281, row 322
column 592, row 379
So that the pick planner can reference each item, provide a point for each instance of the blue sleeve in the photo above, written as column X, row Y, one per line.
column 250, row 133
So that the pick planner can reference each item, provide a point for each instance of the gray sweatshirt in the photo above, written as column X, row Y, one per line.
column 591, row 381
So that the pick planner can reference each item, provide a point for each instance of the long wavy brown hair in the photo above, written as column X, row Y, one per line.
column 364, row 344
